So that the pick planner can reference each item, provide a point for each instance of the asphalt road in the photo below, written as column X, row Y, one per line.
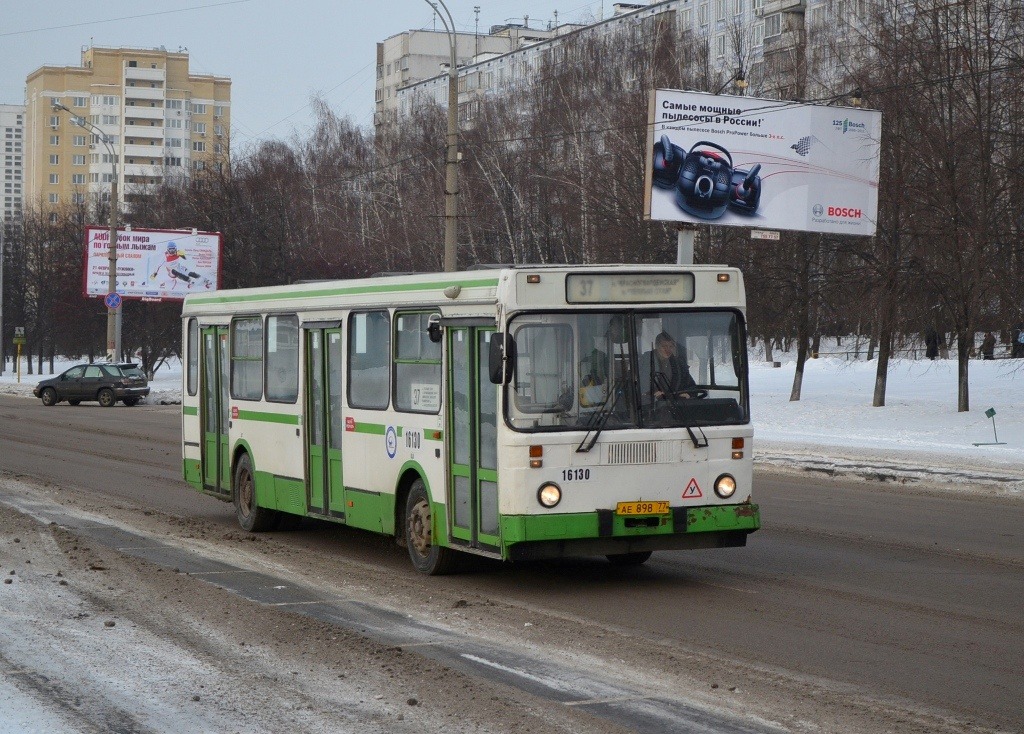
column 891, row 593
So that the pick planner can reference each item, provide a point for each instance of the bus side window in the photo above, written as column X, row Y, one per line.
column 417, row 365
column 369, row 360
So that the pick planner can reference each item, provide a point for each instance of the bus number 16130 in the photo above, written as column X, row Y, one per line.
column 575, row 475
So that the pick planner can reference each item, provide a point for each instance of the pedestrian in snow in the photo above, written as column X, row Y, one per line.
column 988, row 346
column 931, row 344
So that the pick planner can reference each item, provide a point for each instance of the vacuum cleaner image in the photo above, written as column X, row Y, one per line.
column 705, row 179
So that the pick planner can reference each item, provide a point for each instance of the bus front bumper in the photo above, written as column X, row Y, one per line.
column 604, row 533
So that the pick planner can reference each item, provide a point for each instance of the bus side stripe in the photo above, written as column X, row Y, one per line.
column 354, row 290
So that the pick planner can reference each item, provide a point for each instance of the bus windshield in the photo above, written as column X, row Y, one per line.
column 636, row 369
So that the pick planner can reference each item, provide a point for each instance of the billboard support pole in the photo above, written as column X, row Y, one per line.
column 684, row 244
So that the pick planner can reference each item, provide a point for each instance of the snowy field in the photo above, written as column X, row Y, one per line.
column 918, row 434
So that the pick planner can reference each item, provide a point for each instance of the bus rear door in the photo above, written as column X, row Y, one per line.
column 214, row 408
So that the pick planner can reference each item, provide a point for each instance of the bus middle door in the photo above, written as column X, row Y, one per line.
column 214, row 408
column 473, row 450
column 325, row 424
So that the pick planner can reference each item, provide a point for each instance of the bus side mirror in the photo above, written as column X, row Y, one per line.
column 434, row 328
column 501, row 362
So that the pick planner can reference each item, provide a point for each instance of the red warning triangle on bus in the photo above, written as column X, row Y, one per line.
column 692, row 490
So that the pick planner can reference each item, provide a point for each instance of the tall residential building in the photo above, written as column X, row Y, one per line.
column 412, row 56
column 12, row 126
column 161, row 119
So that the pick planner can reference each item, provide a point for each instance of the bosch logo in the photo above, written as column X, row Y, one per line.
column 818, row 210
column 845, row 212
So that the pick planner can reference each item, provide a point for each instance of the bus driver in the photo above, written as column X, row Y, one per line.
column 663, row 375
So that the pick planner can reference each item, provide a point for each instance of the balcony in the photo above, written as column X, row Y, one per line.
column 144, row 92
column 143, row 131
column 783, row 6
column 144, row 113
column 144, row 151
column 141, row 171
column 145, row 74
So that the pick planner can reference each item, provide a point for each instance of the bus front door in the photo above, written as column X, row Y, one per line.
column 215, row 407
column 325, row 425
column 473, row 448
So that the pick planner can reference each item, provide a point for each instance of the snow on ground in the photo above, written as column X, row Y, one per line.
column 833, row 427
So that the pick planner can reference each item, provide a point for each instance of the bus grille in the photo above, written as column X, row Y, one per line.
column 633, row 452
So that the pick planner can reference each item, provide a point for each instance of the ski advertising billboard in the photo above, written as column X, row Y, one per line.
column 768, row 164
column 152, row 264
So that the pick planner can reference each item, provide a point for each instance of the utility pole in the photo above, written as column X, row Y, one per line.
column 113, row 312
column 451, row 168
column 3, row 353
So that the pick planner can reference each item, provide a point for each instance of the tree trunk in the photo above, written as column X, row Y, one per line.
column 882, row 369
column 801, row 358
column 963, row 360
column 768, row 349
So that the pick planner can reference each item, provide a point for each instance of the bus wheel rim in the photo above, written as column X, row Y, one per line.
column 419, row 527
column 245, row 492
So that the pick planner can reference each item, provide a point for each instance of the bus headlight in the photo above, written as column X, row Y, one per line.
column 725, row 486
column 549, row 494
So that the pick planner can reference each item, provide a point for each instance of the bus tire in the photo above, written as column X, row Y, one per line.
column 251, row 517
column 629, row 559
column 426, row 556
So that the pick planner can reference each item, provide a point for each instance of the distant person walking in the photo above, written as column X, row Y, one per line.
column 988, row 346
column 1017, row 347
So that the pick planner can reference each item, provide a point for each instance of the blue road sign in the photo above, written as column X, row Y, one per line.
column 113, row 300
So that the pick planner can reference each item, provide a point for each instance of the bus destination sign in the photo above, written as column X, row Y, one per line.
column 629, row 288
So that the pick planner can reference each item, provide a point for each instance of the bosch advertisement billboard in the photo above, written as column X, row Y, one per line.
column 769, row 164
column 152, row 264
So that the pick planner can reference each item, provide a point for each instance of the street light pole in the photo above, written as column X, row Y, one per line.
column 113, row 314
column 451, row 169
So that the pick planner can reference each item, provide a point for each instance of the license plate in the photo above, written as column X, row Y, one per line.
column 642, row 508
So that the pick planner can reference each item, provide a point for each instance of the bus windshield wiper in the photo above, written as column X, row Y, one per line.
column 599, row 418
column 661, row 382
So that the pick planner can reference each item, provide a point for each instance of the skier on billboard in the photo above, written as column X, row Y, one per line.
column 177, row 269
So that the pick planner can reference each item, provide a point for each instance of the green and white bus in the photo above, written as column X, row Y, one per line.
column 515, row 413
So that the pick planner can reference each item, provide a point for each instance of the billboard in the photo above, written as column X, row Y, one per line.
column 770, row 164
column 152, row 264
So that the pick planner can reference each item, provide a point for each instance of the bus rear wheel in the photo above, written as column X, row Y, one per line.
column 629, row 559
column 251, row 517
column 426, row 556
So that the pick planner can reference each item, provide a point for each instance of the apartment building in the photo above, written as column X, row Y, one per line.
column 758, row 39
column 413, row 56
column 12, row 127
column 159, row 119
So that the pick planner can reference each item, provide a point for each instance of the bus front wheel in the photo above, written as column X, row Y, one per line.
column 251, row 517
column 426, row 556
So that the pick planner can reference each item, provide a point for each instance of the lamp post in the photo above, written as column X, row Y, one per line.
column 113, row 313
column 451, row 168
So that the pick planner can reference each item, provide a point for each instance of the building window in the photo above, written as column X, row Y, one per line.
column 78, row 160
column 773, row 25
column 54, row 198
column 720, row 45
column 111, row 119
column 174, row 124
column 55, row 178
column 54, row 159
column 218, row 111
column 200, row 127
column 702, row 14
column 737, row 7
column 79, row 101
column 174, row 104
column 54, row 121
column 218, row 130
column 78, row 178
column 111, row 100
column 757, row 34
column 173, row 142
column 198, row 108
column 719, row 9
column 78, row 198
column 199, row 146
column 78, row 140
column 55, row 140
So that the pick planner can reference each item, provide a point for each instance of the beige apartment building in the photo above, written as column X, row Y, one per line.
column 160, row 120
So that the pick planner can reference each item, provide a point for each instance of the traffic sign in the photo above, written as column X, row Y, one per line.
column 113, row 300
column 19, row 335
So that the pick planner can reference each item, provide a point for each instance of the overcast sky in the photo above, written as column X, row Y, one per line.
column 278, row 53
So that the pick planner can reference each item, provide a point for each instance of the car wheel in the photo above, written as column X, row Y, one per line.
column 49, row 397
column 106, row 397
column 426, row 556
column 74, row 402
column 251, row 516
column 131, row 402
